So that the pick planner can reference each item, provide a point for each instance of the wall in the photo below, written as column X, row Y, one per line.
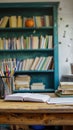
column 65, row 24
column 65, row 31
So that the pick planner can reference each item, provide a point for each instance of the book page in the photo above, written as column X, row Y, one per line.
column 60, row 100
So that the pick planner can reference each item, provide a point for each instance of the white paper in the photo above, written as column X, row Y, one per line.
column 60, row 100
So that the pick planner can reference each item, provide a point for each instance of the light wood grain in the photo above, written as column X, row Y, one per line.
column 23, row 107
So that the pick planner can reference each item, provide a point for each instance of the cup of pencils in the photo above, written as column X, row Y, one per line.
column 8, row 81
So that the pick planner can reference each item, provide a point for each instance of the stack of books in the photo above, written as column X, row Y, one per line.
column 65, row 89
column 22, row 82
column 38, row 86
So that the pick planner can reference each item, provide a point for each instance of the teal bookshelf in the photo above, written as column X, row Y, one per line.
column 49, row 77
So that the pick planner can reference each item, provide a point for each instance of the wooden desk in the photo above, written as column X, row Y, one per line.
column 29, row 113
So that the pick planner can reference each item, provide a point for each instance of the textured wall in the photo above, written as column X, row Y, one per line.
column 65, row 31
column 65, row 26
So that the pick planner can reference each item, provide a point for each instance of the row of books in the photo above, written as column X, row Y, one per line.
column 32, row 42
column 19, row 21
column 43, row 21
column 37, row 63
column 22, row 82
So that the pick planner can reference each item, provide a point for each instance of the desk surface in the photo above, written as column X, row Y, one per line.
column 35, row 113
column 27, row 107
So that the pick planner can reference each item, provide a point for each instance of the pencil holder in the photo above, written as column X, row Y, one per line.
column 6, row 86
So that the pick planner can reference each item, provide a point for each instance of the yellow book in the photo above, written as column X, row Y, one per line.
column 19, row 21
column 1, row 44
column 13, row 22
column 4, row 22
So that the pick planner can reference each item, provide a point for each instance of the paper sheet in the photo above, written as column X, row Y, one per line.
column 60, row 100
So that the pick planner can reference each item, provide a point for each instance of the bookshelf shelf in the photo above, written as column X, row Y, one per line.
column 8, row 32
column 25, row 28
column 32, row 50
column 35, row 71
column 29, row 50
column 35, row 91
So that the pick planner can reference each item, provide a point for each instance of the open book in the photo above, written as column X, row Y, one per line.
column 27, row 97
